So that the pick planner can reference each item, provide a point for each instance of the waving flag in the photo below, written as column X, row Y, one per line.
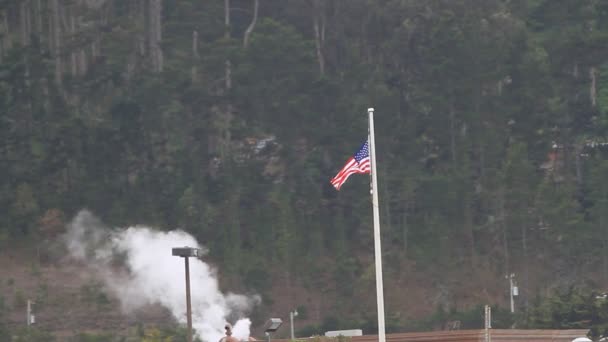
column 359, row 163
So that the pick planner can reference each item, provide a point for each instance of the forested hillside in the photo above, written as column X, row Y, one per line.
column 228, row 119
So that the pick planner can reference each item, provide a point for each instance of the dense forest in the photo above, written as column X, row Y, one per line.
column 227, row 119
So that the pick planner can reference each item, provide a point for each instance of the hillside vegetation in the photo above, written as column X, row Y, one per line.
column 227, row 119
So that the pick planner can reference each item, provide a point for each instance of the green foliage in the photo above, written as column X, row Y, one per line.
column 258, row 278
column 170, row 334
column 4, row 331
column 19, row 301
column 155, row 335
column 474, row 99
column 602, row 92
column 309, row 330
column 302, row 312
column 35, row 269
column 571, row 308
column 470, row 318
column 5, row 334
column 93, row 293
column 25, row 205
column 42, row 293
column 91, row 337
column 32, row 334
column 346, row 272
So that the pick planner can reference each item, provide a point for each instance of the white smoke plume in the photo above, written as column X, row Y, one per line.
column 152, row 275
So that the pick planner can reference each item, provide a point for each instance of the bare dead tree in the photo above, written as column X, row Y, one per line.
column 592, row 86
column 73, row 53
column 38, row 17
column 228, row 70
column 55, row 41
column 155, row 35
column 504, row 227
column 24, row 18
column 4, row 40
column 452, row 132
column 82, row 55
column 604, row 228
column 256, row 6
column 151, row 17
column 195, row 56
column 318, row 17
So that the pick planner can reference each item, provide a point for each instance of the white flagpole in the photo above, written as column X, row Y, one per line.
column 377, row 247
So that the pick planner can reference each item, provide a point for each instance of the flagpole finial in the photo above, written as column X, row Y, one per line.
column 370, row 110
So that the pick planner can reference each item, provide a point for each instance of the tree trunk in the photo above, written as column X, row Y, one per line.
column 578, row 163
column 319, row 28
column 387, row 220
column 55, row 24
column 468, row 230
column 219, row 139
column 605, row 253
column 4, row 31
column 7, row 42
column 82, row 61
column 95, row 46
column 502, row 218
column 228, row 67
column 140, row 14
column 73, row 64
column 405, row 227
column 38, row 18
column 524, row 243
column 24, row 20
column 256, row 5
column 453, row 133
column 482, row 164
column 195, row 56
column 159, row 34
column 155, row 34
column 592, row 87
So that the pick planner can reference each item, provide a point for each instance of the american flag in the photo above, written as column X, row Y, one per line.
column 359, row 163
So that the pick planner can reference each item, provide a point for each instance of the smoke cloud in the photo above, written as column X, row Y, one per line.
column 147, row 273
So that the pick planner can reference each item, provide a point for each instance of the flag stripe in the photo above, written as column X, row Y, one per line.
column 359, row 163
column 343, row 176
